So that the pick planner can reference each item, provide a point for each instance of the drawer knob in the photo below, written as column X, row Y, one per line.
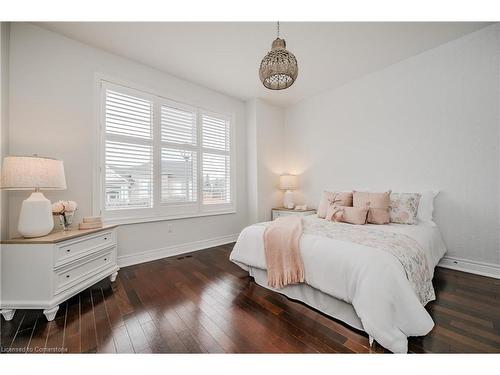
column 105, row 259
column 105, row 238
column 68, row 250
column 67, row 276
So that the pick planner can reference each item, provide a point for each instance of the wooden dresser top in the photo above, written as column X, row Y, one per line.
column 55, row 237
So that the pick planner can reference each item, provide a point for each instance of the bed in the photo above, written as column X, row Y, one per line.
column 376, row 278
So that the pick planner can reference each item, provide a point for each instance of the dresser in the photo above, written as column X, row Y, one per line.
column 42, row 272
column 281, row 211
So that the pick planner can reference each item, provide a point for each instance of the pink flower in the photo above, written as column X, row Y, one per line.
column 58, row 207
column 70, row 206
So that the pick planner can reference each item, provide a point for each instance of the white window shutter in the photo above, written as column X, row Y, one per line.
column 216, row 179
column 178, row 154
column 128, row 154
column 216, row 132
column 128, row 115
column 216, row 169
column 178, row 126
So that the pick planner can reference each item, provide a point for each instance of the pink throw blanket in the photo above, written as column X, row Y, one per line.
column 281, row 244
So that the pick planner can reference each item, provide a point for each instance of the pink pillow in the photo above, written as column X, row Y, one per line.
column 351, row 215
column 334, row 213
column 377, row 204
column 343, row 198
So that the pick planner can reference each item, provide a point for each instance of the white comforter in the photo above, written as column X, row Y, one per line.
column 372, row 280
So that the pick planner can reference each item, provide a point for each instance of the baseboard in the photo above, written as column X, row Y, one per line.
column 168, row 251
column 470, row 266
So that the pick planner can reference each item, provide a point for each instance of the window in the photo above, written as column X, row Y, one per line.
column 162, row 159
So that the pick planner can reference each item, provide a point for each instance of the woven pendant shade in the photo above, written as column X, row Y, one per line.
column 278, row 69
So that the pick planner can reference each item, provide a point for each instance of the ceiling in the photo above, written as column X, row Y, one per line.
column 225, row 56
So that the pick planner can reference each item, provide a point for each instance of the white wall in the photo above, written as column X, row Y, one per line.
column 430, row 121
column 4, row 118
column 53, row 112
column 265, row 158
column 252, row 161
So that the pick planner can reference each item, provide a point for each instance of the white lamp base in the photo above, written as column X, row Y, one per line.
column 288, row 200
column 35, row 219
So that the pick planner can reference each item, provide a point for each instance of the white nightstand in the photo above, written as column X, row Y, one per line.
column 281, row 211
column 42, row 272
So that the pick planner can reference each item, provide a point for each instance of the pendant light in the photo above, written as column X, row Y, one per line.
column 278, row 69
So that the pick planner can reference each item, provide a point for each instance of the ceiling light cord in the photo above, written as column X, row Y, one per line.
column 278, row 28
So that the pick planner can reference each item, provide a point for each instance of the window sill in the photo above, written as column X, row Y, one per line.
column 149, row 219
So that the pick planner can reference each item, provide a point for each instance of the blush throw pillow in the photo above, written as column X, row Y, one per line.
column 328, row 198
column 351, row 215
column 403, row 208
column 334, row 213
column 376, row 203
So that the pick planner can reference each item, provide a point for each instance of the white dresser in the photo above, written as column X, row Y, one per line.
column 40, row 273
column 281, row 211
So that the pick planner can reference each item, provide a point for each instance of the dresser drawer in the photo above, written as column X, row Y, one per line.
column 71, row 275
column 68, row 251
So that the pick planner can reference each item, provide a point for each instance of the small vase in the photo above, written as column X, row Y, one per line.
column 66, row 220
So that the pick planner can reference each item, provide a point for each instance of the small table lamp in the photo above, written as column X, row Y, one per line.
column 288, row 182
column 33, row 173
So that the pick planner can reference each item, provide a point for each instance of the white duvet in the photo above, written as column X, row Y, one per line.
column 372, row 280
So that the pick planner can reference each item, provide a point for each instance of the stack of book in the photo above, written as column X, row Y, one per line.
column 91, row 222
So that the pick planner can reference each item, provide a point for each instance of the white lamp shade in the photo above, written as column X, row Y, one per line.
column 289, row 182
column 32, row 172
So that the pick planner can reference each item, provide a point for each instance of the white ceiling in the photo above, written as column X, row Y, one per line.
column 225, row 56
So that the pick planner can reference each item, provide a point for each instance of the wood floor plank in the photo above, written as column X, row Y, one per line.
column 25, row 332
column 122, row 341
column 88, row 335
column 137, row 338
column 171, row 338
column 105, row 343
column 156, row 341
column 39, row 335
column 72, row 343
column 55, row 338
column 192, row 343
column 8, row 329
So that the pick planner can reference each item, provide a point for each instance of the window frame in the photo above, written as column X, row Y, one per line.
column 159, row 210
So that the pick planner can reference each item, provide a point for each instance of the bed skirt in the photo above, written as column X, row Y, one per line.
column 313, row 297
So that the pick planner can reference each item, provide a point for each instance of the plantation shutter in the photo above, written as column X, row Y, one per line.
column 216, row 159
column 128, row 154
column 178, row 154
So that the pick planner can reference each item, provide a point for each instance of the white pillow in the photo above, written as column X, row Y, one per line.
column 426, row 206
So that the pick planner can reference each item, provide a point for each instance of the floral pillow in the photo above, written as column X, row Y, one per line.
column 403, row 207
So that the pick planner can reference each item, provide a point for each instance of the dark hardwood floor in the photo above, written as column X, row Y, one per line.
column 201, row 302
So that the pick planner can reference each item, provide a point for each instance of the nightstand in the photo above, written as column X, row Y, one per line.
column 43, row 272
column 282, row 211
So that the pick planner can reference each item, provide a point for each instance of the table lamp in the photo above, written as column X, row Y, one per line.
column 33, row 173
column 288, row 182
